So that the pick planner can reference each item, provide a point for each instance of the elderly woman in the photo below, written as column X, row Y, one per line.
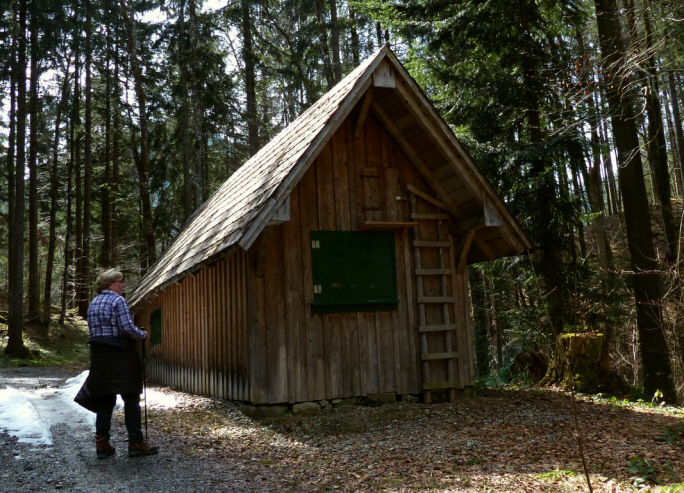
column 115, row 367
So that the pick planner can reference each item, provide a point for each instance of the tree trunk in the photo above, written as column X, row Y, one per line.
column 54, row 188
column 615, row 198
column 11, row 151
column 106, row 199
column 674, row 150
column 197, row 114
column 325, row 50
column 657, row 146
column 250, row 83
column 494, row 321
column 653, row 348
column 33, row 315
column 78, row 182
column 551, row 267
column 116, row 139
column 87, row 166
column 15, row 316
column 142, row 162
column 355, row 45
column 184, row 117
column 677, row 118
column 335, row 42
column 73, row 156
column 480, row 322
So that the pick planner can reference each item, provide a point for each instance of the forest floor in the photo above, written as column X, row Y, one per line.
column 509, row 439
column 506, row 439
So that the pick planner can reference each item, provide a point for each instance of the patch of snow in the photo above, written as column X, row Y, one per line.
column 29, row 415
column 155, row 398
column 20, row 419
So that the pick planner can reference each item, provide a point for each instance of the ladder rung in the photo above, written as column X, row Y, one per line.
column 436, row 299
column 441, row 385
column 423, row 215
column 434, row 272
column 431, row 243
column 433, row 356
column 436, row 328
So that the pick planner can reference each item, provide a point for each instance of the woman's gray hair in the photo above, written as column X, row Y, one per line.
column 107, row 277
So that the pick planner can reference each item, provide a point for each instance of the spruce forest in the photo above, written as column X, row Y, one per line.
column 119, row 118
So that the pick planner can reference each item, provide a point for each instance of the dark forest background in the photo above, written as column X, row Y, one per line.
column 119, row 118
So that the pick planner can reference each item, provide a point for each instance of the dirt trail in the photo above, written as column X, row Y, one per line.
column 70, row 463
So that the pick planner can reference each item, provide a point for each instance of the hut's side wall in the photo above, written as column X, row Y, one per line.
column 298, row 356
column 204, row 320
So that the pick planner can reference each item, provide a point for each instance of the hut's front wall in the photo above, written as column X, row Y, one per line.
column 203, row 347
column 297, row 355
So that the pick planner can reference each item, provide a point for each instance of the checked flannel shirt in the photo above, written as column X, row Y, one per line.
column 109, row 316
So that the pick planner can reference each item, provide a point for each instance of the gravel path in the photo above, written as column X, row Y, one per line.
column 70, row 463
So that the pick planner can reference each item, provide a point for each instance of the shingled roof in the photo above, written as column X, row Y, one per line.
column 238, row 211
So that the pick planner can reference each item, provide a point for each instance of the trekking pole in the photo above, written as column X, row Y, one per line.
column 144, row 358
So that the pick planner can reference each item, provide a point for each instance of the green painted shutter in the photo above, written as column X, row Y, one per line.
column 353, row 271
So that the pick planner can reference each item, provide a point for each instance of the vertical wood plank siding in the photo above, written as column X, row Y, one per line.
column 299, row 356
column 204, row 331
column 242, row 328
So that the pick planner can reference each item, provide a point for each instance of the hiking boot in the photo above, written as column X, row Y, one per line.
column 142, row 448
column 103, row 447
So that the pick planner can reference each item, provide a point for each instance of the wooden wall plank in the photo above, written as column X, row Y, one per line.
column 314, row 338
column 359, row 162
column 373, row 179
column 295, row 306
column 340, row 160
column 368, row 345
column 275, row 317
column 393, row 189
column 351, row 362
column 373, row 142
column 325, row 189
column 261, row 373
column 384, row 326
column 403, row 360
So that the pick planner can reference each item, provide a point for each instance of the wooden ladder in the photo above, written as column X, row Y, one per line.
column 444, row 331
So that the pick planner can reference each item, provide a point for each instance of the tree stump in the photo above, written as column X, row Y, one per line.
column 580, row 355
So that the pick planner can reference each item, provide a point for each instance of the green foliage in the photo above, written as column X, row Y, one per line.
column 65, row 346
column 643, row 471
column 557, row 474
column 673, row 434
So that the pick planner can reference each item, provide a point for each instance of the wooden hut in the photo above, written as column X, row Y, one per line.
column 332, row 264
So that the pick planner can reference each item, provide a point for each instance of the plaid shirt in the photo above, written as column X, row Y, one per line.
column 109, row 316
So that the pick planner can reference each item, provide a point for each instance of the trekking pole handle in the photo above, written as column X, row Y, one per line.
column 142, row 343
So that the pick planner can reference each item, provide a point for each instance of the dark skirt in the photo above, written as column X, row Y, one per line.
column 115, row 368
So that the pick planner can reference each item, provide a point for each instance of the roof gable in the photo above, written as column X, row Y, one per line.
column 238, row 211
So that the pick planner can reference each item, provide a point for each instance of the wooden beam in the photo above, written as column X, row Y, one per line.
column 487, row 217
column 434, row 128
column 365, row 106
column 385, row 225
column 464, row 249
column 413, row 157
column 426, row 197
column 423, row 102
column 482, row 245
column 492, row 217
